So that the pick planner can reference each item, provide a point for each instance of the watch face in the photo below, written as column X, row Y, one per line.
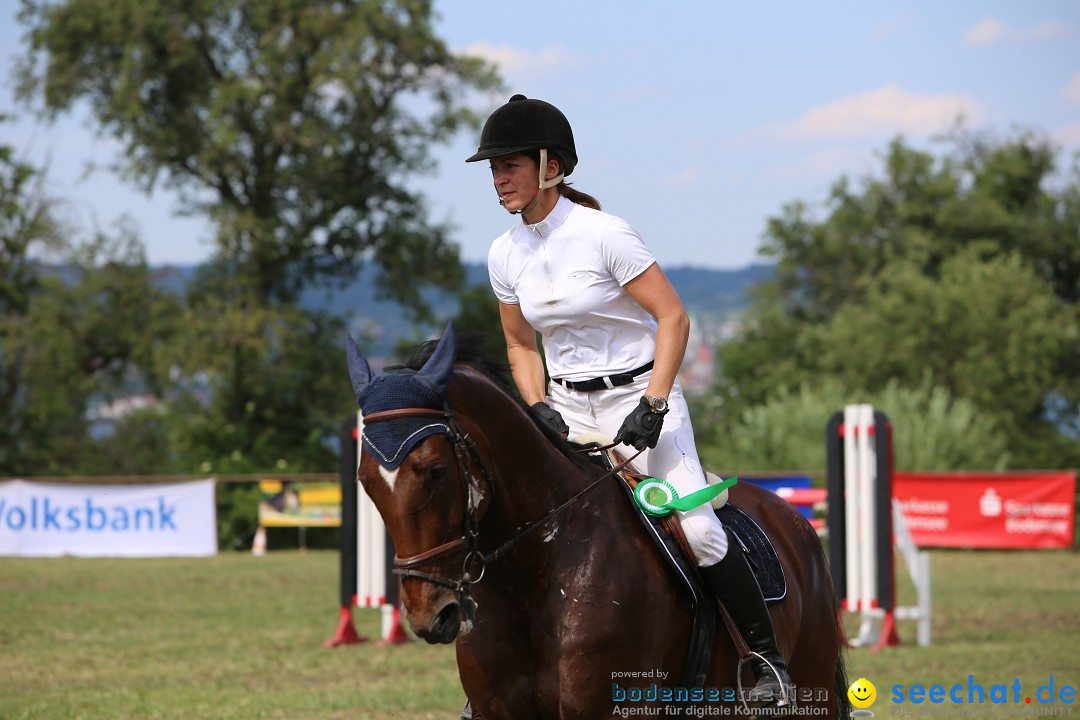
column 658, row 404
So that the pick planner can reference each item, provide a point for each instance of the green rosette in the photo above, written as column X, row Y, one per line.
column 658, row 498
column 653, row 495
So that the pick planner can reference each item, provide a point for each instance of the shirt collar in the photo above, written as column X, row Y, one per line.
column 554, row 219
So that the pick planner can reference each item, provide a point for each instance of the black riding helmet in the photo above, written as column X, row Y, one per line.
column 523, row 124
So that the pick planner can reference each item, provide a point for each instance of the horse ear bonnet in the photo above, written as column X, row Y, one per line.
column 390, row 441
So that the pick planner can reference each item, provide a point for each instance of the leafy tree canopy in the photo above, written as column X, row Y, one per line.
column 962, row 268
column 292, row 124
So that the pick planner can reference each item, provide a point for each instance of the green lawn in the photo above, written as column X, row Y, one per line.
column 1000, row 616
column 237, row 636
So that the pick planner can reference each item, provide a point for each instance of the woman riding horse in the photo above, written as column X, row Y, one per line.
column 614, row 335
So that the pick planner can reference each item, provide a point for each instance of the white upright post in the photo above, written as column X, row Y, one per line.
column 852, row 492
column 867, row 496
column 924, row 598
column 370, row 542
column 860, row 470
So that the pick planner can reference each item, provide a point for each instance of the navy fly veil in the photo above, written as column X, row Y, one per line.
column 391, row 440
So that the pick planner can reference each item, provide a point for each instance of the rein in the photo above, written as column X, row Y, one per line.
column 464, row 447
column 501, row 550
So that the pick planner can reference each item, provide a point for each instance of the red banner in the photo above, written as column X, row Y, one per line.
column 988, row 510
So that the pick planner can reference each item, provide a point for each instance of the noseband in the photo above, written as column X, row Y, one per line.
column 464, row 447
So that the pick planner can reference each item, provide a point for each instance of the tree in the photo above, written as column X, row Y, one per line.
column 292, row 407
column 294, row 127
column 962, row 268
column 1003, row 195
column 292, row 124
column 91, row 334
column 73, row 334
column 28, row 224
column 987, row 330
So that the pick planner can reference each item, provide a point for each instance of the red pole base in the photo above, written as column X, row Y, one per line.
column 397, row 634
column 889, row 638
column 345, row 634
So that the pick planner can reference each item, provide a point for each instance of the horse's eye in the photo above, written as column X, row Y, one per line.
column 435, row 473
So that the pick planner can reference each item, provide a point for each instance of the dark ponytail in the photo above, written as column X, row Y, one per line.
column 576, row 196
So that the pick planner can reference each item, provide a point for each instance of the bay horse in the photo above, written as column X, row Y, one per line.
column 518, row 549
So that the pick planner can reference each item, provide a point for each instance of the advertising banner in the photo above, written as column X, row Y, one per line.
column 288, row 504
column 781, row 486
column 988, row 510
column 53, row 519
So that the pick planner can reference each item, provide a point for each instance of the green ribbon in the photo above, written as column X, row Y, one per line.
column 700, row 497
column 683, row 504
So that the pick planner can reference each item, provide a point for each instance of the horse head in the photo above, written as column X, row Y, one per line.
column 427, row 481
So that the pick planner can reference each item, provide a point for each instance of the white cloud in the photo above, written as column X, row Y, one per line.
column 519, row 64
column 887, row 111
column 829, row 162
column 1041, row 31
column 1068, row 135
column 991, row 30
column 1072, row 90
column 683, row 178
column 986, row 32
column 888, row 27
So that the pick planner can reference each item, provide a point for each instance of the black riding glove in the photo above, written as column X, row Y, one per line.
column 641, row 428
column 550, row 416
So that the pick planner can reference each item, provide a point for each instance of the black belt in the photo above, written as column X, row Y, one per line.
column 605, row 383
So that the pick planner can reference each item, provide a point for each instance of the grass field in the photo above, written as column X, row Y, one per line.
column 237, row 636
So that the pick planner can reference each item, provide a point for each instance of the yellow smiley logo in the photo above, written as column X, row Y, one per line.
column 862, row 693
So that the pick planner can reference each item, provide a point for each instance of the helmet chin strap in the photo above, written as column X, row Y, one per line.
column 544, row 185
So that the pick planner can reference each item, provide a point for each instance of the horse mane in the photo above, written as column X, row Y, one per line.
column 469, row 353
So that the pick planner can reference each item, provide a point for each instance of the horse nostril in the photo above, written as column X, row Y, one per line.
column 448, row 617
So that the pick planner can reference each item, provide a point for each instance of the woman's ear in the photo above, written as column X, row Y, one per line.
column 554, row 167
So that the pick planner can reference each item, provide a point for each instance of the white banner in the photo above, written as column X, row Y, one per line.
column 50, row 519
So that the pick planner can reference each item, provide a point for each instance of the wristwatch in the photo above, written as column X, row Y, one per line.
column 657, row 404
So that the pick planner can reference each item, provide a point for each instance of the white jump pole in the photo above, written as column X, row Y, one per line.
column 371, row 573
column 867, row 480
column 852, row 496
column 371, row 543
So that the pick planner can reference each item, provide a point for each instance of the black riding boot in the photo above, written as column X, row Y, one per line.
column 733, row 582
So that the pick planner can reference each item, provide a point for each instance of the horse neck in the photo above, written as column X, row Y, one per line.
column 532, row 476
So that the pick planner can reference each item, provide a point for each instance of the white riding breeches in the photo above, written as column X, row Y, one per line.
column 674, row 458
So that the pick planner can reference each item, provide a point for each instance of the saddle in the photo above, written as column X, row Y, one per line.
column 668, row 535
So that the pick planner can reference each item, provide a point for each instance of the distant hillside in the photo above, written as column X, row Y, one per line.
column 717, row 293
column 710, row 295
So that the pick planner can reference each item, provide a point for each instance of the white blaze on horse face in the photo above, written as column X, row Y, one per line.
column 390, row 476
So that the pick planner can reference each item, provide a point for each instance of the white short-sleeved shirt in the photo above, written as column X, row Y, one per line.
column 567, row 273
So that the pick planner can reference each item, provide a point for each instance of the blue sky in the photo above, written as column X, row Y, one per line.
column 695, row 121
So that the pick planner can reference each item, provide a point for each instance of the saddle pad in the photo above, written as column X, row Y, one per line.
column 758, row 550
